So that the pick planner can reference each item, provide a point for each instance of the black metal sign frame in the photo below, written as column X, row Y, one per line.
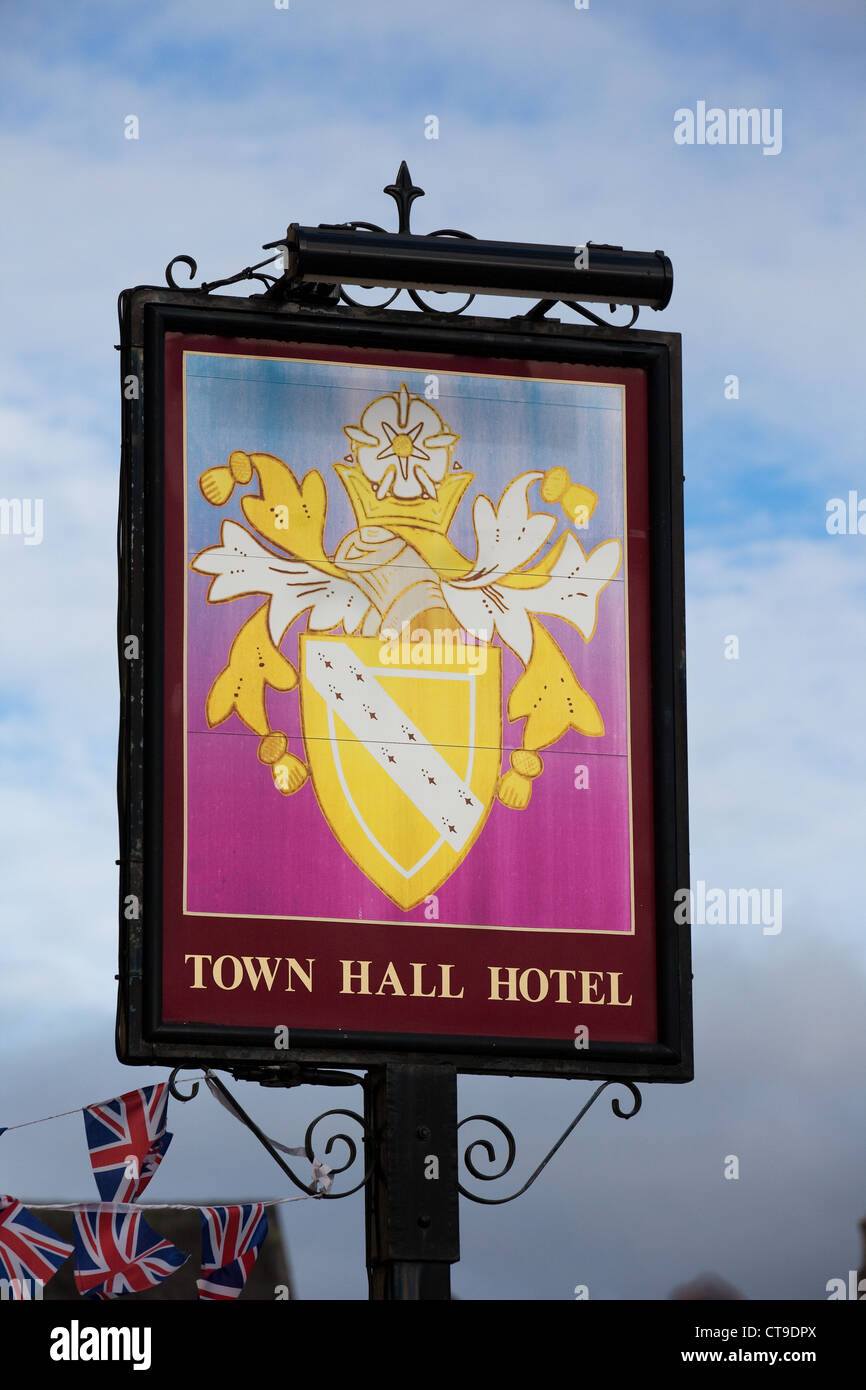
column 147, row 315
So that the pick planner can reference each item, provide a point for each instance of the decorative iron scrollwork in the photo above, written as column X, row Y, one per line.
column 404, row 192
column 179, row 1095
column 250, row 272
column 351, row 1147
column 335, row 1170
column 505, row 1166
column 285, row 288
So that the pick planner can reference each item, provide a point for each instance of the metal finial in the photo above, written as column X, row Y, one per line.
column 404, row 192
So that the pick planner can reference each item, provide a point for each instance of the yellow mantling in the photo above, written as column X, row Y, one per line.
column 550, row 697
column 254, row 663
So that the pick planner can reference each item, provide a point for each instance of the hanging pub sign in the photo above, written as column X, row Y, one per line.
column 402, row 662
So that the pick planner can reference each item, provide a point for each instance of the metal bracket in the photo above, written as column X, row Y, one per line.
column 290, row 289
column 309, row 1188
column 503, row 1129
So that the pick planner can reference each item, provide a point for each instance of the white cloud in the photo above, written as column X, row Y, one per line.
column 540, row 156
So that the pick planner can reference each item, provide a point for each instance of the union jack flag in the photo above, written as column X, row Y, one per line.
column 30, row 1254
column 116, row 1252
column 231, row 1238
column 127, row 1140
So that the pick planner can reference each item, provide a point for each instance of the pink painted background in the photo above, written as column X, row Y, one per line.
column 563, row 863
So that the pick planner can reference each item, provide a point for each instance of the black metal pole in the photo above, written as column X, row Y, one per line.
column 413, row 1234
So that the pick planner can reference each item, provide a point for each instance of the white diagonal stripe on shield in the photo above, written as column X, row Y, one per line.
column 352, row 691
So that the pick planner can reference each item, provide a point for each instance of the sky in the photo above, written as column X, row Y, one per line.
column 554, row 125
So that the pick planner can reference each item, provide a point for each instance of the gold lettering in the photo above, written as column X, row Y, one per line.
column 197, row 970
column 264, row 971
column 445, row 992
column 614, row 988
column 543, row 985
column 237, row 968
column 417, row 983
column 586, row 986
column 391, row 978
column 349, row 977
column 496, row 981
column 562, row 996
column 306, row 978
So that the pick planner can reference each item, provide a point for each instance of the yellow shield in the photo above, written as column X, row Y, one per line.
column 404, row 750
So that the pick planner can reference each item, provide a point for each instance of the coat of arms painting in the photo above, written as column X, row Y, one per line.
column 406, row 645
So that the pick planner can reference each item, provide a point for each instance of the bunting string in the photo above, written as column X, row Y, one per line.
column 115, row 1251
column 152, row 1208
column 61, row 1114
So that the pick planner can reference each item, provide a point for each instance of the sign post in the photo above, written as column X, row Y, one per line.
column 412, row 1216
column 402, row 776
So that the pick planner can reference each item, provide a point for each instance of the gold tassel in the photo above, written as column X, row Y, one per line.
column 577, row 502
column 218, row 484
column 515, row 788
column 289, row 774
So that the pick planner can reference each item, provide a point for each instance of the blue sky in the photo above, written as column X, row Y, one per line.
column 554, row 125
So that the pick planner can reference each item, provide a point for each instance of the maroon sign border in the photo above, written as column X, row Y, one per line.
column 657, row 1034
